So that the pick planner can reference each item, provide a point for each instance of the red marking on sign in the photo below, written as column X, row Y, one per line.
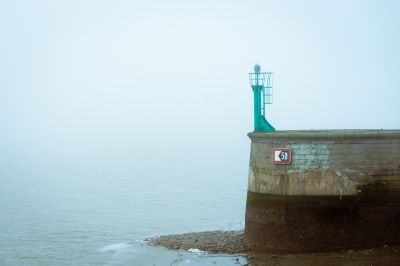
column 281, row 156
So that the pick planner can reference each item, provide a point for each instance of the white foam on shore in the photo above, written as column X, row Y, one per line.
column 195, row 250
column 148, row 239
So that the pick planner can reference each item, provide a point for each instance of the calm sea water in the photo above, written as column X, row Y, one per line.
column 94, row 207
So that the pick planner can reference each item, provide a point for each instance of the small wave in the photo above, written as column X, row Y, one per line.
column 147, row 240
column 114, row 247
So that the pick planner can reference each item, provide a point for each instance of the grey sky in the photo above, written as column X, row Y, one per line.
column 124, row 72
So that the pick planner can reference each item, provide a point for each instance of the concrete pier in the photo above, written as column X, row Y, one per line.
column 341, row 190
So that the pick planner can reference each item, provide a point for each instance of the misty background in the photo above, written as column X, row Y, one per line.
column 165, row 75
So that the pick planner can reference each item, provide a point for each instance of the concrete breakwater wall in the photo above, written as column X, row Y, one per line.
column 340, row 190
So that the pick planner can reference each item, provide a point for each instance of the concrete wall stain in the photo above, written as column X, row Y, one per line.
column 341, row 186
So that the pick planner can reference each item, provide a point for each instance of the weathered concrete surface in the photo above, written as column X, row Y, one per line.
column 342, row 190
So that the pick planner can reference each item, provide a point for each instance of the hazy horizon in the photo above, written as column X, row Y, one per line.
column 80, row 75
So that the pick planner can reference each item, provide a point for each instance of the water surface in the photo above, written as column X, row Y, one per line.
column 94, row 207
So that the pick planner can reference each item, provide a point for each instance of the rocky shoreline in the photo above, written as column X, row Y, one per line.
column 232, row 242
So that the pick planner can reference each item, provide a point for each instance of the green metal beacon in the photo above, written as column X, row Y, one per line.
column 261, row 83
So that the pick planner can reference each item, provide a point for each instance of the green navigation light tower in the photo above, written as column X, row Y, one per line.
column 261, row 83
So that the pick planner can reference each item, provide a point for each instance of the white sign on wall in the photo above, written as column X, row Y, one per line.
column 281, row 156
